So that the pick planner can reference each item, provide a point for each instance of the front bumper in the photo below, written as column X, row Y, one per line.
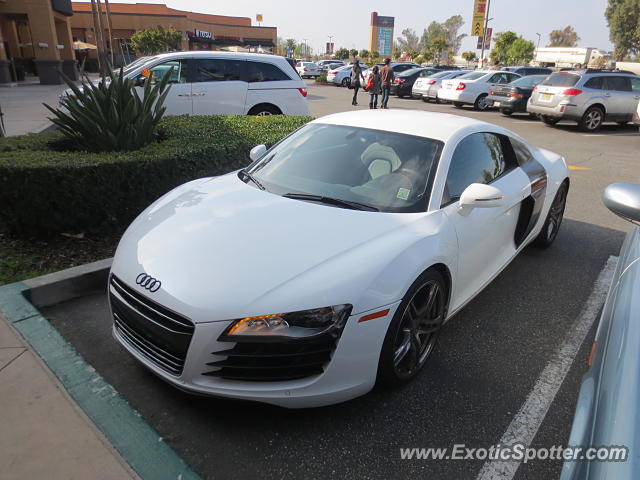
column 350, row 372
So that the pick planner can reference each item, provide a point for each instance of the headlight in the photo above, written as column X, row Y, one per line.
column 295, row 325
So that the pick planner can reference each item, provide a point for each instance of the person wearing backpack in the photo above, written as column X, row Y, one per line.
column 374, row 87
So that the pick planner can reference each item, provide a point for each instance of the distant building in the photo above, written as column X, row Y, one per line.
column 381, row 39
column 570, row 57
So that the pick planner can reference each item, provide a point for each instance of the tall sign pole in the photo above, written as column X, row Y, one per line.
column 484, row 32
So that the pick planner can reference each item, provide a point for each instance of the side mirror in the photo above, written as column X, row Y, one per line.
column 140, row 81
column 479, row 195
column 623, row 199
column 257, row 152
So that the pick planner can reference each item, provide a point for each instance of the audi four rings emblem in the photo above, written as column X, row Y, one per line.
column 148, row 282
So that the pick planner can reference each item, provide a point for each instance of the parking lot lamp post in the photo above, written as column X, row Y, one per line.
column 538, row 46
column 484, row 32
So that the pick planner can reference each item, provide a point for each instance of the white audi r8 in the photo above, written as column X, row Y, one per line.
column 333, row 260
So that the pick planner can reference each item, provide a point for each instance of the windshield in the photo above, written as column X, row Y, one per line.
column 135, row 64
column 472, row 76
column 387, row 171
column 530, row 81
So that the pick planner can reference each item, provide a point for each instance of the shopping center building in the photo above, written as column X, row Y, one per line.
column 37, row 36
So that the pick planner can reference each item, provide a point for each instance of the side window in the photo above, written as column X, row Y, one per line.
column 217, row 70
column 523, row 155
column 495, row 78
column 176, row 68
column 635, row 84
column 595, row 83
column 617, row 83
column 478, row 158
column 264, row 72
column 511, row 77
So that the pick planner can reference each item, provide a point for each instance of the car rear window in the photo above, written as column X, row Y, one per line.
column 529, row 81
column 561, row 80
column 264, row 72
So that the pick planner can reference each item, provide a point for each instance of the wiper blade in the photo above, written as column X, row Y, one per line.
column 331, row 201
column 252, row 178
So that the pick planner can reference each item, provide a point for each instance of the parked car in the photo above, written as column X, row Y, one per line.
column 207, row 83
column 473, row 87
column 525, row 71
column 330, row 66
column 403, row 83
column 427, row 88
column 429, row 208
column 587, row 97
column 341, row 76
column 308, row 70
column 608, row 402
column 513, row 97
column 397, row 68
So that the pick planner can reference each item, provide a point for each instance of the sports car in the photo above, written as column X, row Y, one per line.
column 332, row 261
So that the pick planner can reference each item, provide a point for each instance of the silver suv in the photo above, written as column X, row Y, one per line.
column 587, row 97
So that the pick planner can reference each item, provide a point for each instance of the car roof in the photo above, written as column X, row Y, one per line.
column 439, row 126
column 218, row 54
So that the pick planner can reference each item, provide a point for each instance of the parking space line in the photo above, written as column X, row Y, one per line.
column 524, row 426
column 611, row 134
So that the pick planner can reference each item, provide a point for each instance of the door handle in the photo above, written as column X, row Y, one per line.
column 637, row 97
column 198, row 94
column 607, row 94
column 184, row 94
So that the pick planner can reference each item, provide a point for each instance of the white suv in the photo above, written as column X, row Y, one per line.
column 208, row 83
column 473, row 88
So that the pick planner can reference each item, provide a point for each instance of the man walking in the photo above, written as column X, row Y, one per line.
column 386, row 73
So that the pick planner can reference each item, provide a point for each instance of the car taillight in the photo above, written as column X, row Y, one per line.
column 461, row 86
column 335, row 72
column 515, row 95
column 305, row 69
column 535, row 89
column 303, row 91
column 572, row 92
column 490, row 92
column 432, row 82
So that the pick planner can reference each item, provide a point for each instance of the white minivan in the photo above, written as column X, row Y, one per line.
column 207, row 83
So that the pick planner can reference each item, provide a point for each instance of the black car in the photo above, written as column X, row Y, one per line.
column 512, row 97
column 403, row 83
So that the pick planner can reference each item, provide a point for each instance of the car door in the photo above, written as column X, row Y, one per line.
column 618, row 97
column 635, row 89
column 485, row 235
column 218, row 87
column 178, row 101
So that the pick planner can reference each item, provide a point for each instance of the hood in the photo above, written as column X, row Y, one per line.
column 220, row 245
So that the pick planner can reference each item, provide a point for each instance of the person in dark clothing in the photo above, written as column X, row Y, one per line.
column 356, row 75
column 376, row 87
column 387, row 78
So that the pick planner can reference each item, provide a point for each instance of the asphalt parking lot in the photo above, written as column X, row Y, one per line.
column 487, row 361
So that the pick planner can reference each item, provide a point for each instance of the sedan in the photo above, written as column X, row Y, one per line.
column 341, row 76
column 607, row 407
column 427, row 88
column 513, row 97
column 332, row 261
column 403, row 83
column 473, row 88
column 308, row 70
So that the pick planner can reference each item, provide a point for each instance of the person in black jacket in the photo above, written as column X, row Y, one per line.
column 356, row 75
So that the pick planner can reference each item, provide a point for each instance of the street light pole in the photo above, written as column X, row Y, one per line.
column 484, row 32
column 304, row 48
column 538, row 47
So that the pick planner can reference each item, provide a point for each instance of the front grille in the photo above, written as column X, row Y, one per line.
column 270, row 362
column 160, row 335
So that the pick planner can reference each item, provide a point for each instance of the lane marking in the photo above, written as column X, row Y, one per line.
column 611, row 134
column 527, row 421
column 578, row 167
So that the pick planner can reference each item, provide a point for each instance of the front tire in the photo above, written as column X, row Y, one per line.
column 414, row 330
column 552, row 224
column 346, row 82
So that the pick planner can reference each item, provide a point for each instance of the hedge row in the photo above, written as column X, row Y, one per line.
column 46, row 190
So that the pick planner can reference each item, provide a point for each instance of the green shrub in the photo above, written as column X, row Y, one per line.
column 45, row 191
column 322, row 78
column 109, row 115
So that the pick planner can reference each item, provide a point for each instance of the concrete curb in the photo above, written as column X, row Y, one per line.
column 129, row 434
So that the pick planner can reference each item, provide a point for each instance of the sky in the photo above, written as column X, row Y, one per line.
column 348, row 21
